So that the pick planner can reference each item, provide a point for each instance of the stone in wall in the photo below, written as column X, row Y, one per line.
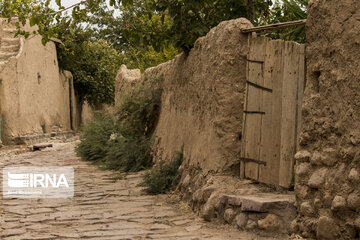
column 328, row 165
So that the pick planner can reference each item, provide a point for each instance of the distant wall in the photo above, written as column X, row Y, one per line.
column 34, row 96
column 328, row 165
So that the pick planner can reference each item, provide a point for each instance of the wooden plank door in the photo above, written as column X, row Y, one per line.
column 253, row 107
column 275, row 82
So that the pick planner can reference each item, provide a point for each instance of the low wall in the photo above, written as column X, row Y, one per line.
column 328, row 165
column 34, row 96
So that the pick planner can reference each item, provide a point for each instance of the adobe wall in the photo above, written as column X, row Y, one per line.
column 202, row 101
column 328, row 165
column 34, row 96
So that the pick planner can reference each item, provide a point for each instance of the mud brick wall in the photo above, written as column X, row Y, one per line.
column 328, row 165
column 202, row 101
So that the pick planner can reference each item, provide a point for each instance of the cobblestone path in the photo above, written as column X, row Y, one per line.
column 102, row 208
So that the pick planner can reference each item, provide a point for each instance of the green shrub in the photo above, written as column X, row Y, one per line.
column 128, row 154
column 123, row 142
column 139, row 110
column 164, row 177
column 94, row 137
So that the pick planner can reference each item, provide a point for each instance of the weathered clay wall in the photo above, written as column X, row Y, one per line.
column 328, row 166
column 202, row 100
column 125, row 80
column 34, row 97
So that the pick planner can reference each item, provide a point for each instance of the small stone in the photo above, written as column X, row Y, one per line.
column 302, row 192
column 270, row 223
column 317, row 178
column 302, row 169
column 354, row 175
column 251, row 225
column 316, row 158
column 357, row 223
column 338, row 203
column 355, row 138
column 294, row 226
column 318, row 203
column 241, row 220
column 327, row 228
column 197, row 196
column 208, row 212
column 306, row 209
column 229, row 215
column 353, row 201
column 207, row 191
column 330, row 157
column 302, row 156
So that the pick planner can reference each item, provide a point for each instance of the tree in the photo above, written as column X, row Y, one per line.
column 94, row 65
column 284, row 11
column 194, row 18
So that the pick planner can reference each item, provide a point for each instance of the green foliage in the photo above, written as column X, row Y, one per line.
column 139, row 110
column 284, row 11
column 164, row 177
column 193, row 19
column 123, row 143
column 94, row 137
column 143, row 58
column 22, row 9
column 141, row 35
column 94, row 65
column 128, row 154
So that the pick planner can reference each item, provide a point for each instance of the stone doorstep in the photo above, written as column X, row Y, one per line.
column 269, row 213
column 262, row 203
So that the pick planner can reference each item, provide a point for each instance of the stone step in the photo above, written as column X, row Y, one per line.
column 6, row 55
column 10, row 48
column 9, row 41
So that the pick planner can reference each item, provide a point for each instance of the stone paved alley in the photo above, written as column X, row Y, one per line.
column 102, row 207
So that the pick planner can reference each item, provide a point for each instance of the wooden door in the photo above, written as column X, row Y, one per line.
column 272, row 112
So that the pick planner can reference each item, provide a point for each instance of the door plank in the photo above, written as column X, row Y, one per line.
column 271, row 121
column 252, row 138
column 289, row 109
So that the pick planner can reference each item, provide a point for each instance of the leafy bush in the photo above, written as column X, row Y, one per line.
column 128, row 154
column 138, row 112
column 94, row 137
column 93, row 64
column 122, row 142
column 163, row 177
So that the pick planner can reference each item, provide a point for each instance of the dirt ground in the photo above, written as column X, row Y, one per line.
column 102, row 208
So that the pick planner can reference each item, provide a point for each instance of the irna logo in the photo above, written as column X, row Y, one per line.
column 38, row 182
column 30, row 180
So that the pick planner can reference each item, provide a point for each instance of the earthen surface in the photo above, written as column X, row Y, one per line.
column 102, row 207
